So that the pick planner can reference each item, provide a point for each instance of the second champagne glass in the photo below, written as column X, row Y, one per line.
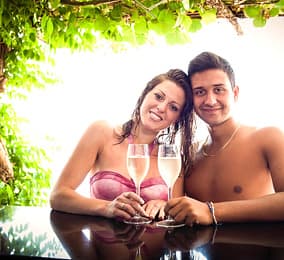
column 138, row 162
column 169, row 164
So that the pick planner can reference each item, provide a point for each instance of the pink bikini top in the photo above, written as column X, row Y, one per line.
column 107, row 185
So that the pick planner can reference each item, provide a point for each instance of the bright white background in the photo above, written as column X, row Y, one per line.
column 104, row 85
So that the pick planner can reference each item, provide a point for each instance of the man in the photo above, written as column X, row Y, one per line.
column 238, row 173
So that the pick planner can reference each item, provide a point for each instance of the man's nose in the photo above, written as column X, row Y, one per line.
column 210, row 99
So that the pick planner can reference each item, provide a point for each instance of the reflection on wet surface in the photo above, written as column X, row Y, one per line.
column 24, row 231
column 41, row 232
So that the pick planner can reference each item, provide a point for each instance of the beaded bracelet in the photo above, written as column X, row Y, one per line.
column 212, row 211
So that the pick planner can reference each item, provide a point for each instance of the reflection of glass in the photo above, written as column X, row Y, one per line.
column 169, row 164
column 138, row 255
column 169, row 254
column 138, row 161
column 136, row 243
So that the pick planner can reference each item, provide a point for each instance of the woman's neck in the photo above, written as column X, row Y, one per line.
column 142, row 136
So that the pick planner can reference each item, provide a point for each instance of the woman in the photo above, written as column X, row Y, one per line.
column 163, row 109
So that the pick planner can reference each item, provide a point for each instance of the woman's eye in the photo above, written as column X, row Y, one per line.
column 158, row 96
column 174, row 108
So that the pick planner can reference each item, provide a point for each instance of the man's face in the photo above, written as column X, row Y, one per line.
column 213, row 96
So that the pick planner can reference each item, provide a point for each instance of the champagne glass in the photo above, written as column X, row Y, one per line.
column 169, row 164
column 138, row 162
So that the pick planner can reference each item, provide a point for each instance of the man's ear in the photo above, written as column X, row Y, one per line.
column 236, row 93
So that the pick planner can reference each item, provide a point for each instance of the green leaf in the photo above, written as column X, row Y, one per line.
column 32, row 36
column 174, row 5
column 209, row 16
column 166, row 22
column 116, row 13
column 196, row 25
column 252, row 11
column 177, row 37
column 259, row 21
column 101, row 23
column 279, row 4
column 54, row 3
column 44, row 20
column 185, row 22
column 273, row 12
column 140, row 25
column 10, row 194
column 49, row 27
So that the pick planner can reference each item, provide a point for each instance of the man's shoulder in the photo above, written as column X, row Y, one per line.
column 261, row 130
column 266, row 136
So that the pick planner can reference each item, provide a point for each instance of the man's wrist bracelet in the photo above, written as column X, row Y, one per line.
column 212, row 211
column 214, row 234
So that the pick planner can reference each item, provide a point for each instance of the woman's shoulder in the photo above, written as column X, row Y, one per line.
column 102, row 125
column 104, row 128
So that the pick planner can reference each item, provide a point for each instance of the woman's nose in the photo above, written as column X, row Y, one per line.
column 162, row 106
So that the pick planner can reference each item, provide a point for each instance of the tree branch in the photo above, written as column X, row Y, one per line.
column 94, row 2
column 157, row 4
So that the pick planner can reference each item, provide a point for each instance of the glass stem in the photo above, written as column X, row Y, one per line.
column 138, row 189
column 169, row 197
column 137, row 215
column 169, row 193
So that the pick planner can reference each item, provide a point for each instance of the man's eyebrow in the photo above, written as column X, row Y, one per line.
column 214, row 85
column 218, row 84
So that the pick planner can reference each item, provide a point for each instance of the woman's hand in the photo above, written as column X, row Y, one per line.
column 155, row 209
column 125, row 206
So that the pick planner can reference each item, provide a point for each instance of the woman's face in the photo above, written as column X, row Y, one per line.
column 162, row 106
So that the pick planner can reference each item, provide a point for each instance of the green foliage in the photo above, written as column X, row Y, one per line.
column 32, row 29
column 261, row 13
column 31, row 181
column 26, row 68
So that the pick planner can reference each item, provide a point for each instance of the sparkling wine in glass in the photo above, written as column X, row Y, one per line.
column 169, row 164
column 138, row 161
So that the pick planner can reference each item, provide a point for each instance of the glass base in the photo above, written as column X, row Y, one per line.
column 138, row 220
column 169, row 223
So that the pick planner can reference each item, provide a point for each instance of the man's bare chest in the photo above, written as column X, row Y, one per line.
column 235, row 176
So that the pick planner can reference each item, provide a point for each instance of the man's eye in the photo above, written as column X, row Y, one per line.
column 218, row 90
column 199, row 92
